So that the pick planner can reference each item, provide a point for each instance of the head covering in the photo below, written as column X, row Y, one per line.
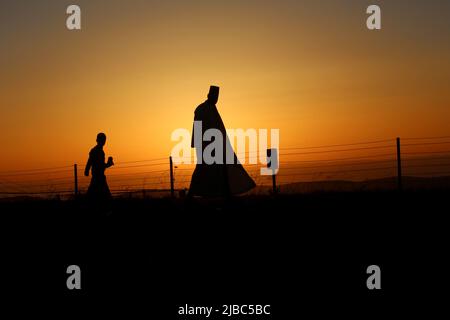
column 214, row 91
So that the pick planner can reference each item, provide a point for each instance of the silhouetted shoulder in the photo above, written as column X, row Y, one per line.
column 201, row 108
column 95, row 151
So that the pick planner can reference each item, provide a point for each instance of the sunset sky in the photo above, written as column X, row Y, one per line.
column 138, row 69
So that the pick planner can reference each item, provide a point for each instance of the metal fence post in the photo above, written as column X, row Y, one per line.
column 272, row 163
column 172, row 191
column 399, row 166
column 75, row 174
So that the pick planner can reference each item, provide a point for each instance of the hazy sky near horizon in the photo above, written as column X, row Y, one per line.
column 138, row 69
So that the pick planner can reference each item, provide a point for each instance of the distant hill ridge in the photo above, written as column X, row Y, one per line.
column 384, row 184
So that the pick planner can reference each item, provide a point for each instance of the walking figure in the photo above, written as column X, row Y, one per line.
column 217, row 179
column 98, row 188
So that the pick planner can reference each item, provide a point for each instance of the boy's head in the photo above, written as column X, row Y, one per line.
column 101, row 139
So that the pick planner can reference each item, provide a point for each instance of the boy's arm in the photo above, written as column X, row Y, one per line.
column 196, row 118
column 88, row 167
column 110, row 162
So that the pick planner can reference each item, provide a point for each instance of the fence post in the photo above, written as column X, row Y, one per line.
column 274, row 184
column 270, row 164
column 75, row 174
column 399, row 166
column 171, row 177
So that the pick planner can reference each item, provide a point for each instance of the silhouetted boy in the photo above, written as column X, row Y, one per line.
column 98, row 188
column 216, row 180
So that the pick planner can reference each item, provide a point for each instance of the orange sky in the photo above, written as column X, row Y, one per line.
column 138, row 69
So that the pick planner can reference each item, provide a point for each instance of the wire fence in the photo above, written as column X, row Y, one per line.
column 384, row 164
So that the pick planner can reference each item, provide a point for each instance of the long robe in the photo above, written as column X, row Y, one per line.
column 98, row 188
column 215, row 180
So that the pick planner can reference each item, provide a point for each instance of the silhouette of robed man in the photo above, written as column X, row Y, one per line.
column 98, row 188
column 216, row 180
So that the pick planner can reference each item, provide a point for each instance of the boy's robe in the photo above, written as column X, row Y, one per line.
column 98, row 188
column 217, row 179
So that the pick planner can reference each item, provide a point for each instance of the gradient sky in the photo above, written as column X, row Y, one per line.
column 138, row 69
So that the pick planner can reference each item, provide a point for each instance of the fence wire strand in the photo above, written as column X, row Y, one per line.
column 421, row 157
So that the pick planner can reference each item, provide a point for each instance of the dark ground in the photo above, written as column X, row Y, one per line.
column 297, row 253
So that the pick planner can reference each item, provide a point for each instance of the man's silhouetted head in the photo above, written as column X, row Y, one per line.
column 101, row 139
column 213, row 95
